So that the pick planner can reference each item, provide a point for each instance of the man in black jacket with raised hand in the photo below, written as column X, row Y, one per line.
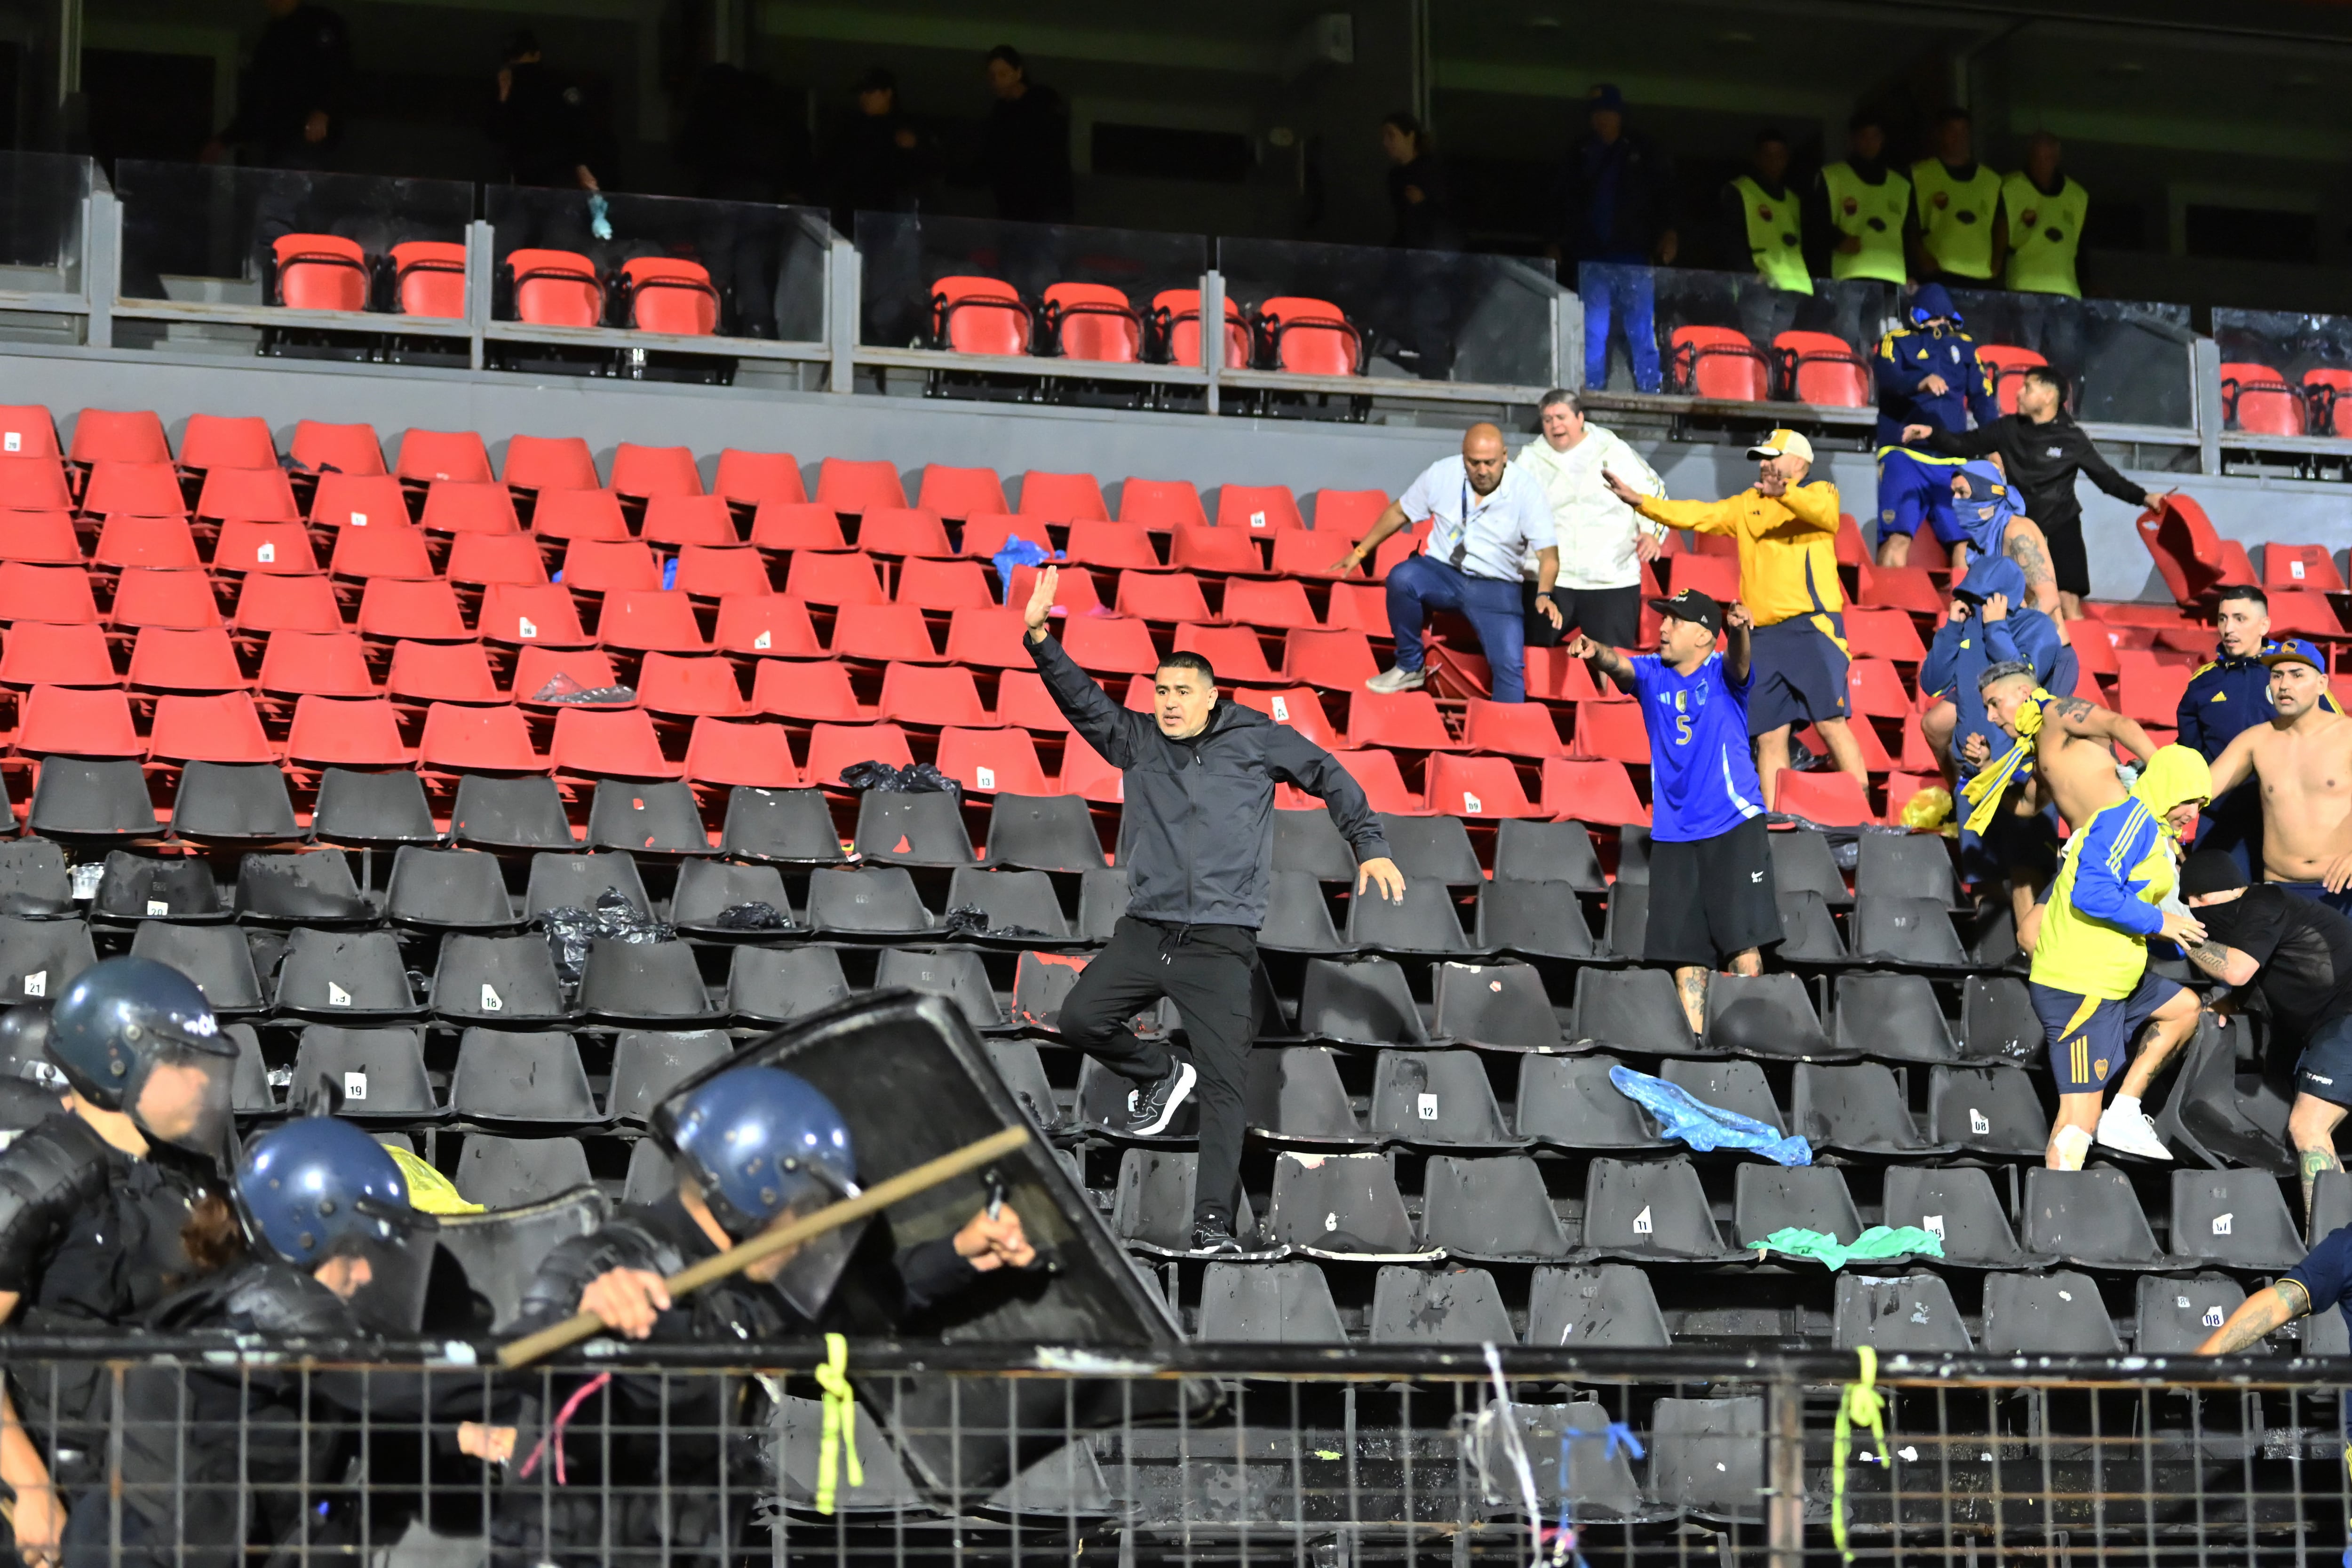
column 1198, row 830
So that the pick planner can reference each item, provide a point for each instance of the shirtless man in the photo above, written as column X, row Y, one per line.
column 2302, row 762
column 2072, row 761
column 1986, row 508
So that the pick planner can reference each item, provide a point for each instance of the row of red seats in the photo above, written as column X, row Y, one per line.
column 548, row 288
column 1808, row 367
column 1095, row 322
column 2259, row 399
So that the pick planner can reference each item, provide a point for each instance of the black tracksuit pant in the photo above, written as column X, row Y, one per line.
column 1210, row 973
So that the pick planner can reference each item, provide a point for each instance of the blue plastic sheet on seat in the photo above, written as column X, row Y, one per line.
column 1703, row 1126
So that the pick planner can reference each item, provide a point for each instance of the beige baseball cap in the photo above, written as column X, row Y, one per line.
column 1782, row 444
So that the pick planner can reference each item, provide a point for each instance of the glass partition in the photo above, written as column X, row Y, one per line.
column 2128, row 363
column 2284, row 373
column 1730, row 334
column 1019, row 287
column 216, row 234
column 664, row 263
column 1424, row 315
column 41, row 197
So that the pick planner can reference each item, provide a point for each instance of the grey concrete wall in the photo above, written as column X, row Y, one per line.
column 1111, row 444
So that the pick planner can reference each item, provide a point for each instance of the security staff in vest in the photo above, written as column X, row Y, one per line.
column 1764, row 234
column 1956, row 210
column 1860, row 206
column 2042, row 214
column 1928, row 375
column 93, row 1203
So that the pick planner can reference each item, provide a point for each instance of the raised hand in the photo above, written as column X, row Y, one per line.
column 1041, row 601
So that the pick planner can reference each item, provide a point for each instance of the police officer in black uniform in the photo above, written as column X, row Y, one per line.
column 755, row 1147
column 93, row 1203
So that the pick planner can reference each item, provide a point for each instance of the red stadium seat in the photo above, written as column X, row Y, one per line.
column 960, row 493
column 609, row 565
column 441, row 672
column 396, row 550
column 145, row 490
column 516, row 613
column 157, row 596
column 27, row 431
column 1214, row 550
column 2299, row 612
column 832, row 747
column 56, row 594
column 849, row 577
column 902, row 531
column 881, row 633
column 1876, row 758
column 933, row 696
column 2188, row 554
column 755, row 479
column 797, row 525
column 646, row 620
column 222, row 441
column 428, row 278
column 979, row 316
column 817, row 689
column 1112, row 544
column 1599, row 792
column 267, row 602
column 1882, row 634
column 391, row 608
column 78, row 722
column 1822, row 368
column 655, row 471
column 348, row 449
column 715, row 571
column 1233, row 652
column 1275, row 604
column 1835, row 800
column 1382, row 784
column 756, row 756
column 1091, row 321
column 2008, row 364
column 2257, row 399
column 578, row 514
column 986, row 638
column 1331, row 661
column 537, row 669
column 428, row 454
column 852, row 486
column 1478, row 786
column 1910, row 588
column 358, row 500
column 2149, row 689
column 1310, row 337
column 469, row 506
column 127, row 436
column 555, row 288
column 1713, row 575
column 1176, row 324
column 280, row 547
column 319, row 272
column 985, row 533
column 765, row 626
column 297, row 664
column 479, row 560
column 988, row 761
column 2287, row 568
column 1512, row 728
column 1349, row 512
column 1298, row 707
column 221, row 729
column 331, row 732
column 942, row 584
column 1874, row 688
column 608, row 743
column 1402, row 720
column 1023, row 701
column 687, row 688
column 127, row 540
column 1851, row 550
column 1161, row 596
column 2331, row 412
column 549, row 462
column 1062, row 497
column 1109, row 644
column 1162, row 504
column 478, row 740
column 1086, row 774
column 1720, row 363
column 165, row 658
column 1074, row 591
column 41, row 653
column 667, row 294
column 676, row 520
column 1263, row 507
column 34, row 484
column 1611, row 732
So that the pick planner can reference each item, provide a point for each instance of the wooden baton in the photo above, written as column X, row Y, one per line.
column 735, row 1259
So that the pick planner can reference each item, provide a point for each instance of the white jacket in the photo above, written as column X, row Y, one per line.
column 1594, row 530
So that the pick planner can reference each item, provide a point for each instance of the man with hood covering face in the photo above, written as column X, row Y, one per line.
column 1985, row 517
column 2091, row 988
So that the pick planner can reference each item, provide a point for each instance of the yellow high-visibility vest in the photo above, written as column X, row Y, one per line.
column 1774, row 236
column 1871, row 214
column 2044, row 232
column 1956, row 217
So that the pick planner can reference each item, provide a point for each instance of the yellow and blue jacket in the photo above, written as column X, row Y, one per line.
column 2117, row 871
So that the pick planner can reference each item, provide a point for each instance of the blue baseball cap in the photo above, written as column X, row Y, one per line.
column 2295, row 650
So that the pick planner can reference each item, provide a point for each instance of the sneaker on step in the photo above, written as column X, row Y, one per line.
column 1214, row 1237
column 1388, row 681
column 1151, row 1107
column 2129, row 1131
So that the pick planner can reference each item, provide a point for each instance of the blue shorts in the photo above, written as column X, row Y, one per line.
column 1797, row 670
column 1913, row 488
column 2318, row 894
column 2089, row 1040
column 2324, row 1071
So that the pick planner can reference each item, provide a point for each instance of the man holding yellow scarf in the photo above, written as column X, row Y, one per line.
column 2090, row 983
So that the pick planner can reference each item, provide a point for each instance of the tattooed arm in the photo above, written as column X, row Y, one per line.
column 2222, row 961
column 2263, row 1311
column 2069, row 717
column 2024, row 544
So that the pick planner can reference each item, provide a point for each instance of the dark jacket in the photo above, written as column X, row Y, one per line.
column 1613, row 199
column 2222, row 701
column 1430, row 223
column 2041, row 461
column 299, row 69
column 1198, row 822
column 549, row 129
column 1026, row 154
column 865, row 170
column 1906, row 357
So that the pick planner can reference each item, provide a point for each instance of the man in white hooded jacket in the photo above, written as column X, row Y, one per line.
column 1601, row 541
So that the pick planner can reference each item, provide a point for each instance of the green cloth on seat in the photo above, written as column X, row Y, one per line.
column 1878, row 1241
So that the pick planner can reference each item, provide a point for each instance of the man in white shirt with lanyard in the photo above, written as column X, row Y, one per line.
column 1486, row 516
column 1602, row 542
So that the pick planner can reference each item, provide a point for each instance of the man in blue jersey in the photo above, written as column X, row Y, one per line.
column 1712, row 900
column 1929, row 375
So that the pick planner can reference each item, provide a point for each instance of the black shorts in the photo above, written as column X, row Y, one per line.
column 2324, row 1071
column 2070, row 563
column 1798, row 666
column 1712, row 898
column 1609, row 615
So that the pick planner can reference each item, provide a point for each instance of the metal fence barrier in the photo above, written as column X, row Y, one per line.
column 203, row 1453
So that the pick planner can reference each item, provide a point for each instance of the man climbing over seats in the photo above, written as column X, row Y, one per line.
column 1928, row 375
column 2300, row 952
column 2090, row 982
column 1787, row 530
column 2061, row 747
column 1712, row 904
column 1199, row 778
column 2301, row 761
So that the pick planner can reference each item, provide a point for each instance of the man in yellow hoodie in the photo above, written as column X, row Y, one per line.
column 2090, row 984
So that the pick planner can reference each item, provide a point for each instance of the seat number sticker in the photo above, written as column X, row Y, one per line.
column 491, row 1001
column 2221, row 1223
column 1427, row 1104
column 1642, row 1225
column 37, row 983
column 337, row 996
column 355, row 1085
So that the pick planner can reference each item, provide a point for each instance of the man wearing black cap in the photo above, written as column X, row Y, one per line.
column 2301, row 952
column 1711, row 894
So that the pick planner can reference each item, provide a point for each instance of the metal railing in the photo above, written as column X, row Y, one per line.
column 194, row 1451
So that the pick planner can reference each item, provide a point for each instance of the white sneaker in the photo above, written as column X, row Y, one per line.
column 2128, row 1129
column 1398, row 679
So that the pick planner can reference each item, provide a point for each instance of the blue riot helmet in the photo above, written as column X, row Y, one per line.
column 1929, row 302
column 317, row 1189
column 25, row 1047
column 763, row 1145
column 136, row 1035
